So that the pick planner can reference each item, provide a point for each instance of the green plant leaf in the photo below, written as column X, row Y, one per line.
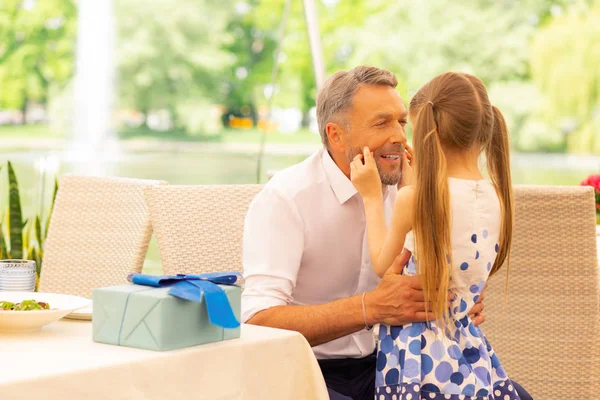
column 16, row 216
column 38, row 231
column 38, row 263
column 51, row 209
column 26, row 241
column 6, row 222
column 33, row 255
column 3, row 250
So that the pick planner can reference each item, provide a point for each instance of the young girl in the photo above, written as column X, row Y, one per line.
column 458, row 226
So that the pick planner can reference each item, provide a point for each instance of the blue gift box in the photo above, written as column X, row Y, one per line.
column 166, row 313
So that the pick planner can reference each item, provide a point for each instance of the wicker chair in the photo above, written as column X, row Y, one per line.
column 549, row 338
column 99, row 232
column 199, row 228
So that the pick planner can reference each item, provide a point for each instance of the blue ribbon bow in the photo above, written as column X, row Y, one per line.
column 194, row 287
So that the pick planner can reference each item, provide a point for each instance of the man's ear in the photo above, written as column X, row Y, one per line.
column 335, row 135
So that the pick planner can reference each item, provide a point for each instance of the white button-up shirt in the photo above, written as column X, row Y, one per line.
column 305, row 243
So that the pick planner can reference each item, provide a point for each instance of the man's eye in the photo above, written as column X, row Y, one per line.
column 380, row 123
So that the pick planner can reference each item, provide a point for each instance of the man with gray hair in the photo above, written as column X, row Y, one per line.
column 306, row 259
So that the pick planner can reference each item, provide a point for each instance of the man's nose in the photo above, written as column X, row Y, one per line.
column 398, row 136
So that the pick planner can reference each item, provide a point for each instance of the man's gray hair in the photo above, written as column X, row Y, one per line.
column 337, row 93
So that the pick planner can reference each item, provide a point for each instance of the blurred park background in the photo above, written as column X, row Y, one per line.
column 181, row 90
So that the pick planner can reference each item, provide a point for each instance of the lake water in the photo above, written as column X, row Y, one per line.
column 226, row 167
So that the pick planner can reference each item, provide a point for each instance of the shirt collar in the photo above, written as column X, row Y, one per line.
column 339, row 182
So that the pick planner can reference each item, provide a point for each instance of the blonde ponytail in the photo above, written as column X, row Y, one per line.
column 432, row 217
column 497, row 154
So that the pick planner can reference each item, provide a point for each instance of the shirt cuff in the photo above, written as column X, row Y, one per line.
column 263, row 292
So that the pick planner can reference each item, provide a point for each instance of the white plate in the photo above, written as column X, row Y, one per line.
column 84, row 313
column 31, row 321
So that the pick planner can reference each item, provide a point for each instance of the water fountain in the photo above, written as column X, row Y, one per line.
column 93, row 146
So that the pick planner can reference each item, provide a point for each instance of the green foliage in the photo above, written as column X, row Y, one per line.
column 15, row 227
column 23, row 239
column 493, row 40
column 338, row 22
column 253, row 46
column 37, row 40
column 170, row 54
column 564, row 59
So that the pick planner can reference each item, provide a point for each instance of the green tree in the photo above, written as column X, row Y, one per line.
column 491, row 39
column 252, row 47
column 37, row 40
column 337, row 21
column 170, row 55
column 418, row 40
column 565, row 63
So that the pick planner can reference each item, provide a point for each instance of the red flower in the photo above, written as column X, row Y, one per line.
column 593, row 181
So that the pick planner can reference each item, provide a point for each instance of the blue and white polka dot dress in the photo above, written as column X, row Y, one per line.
column 418, row 361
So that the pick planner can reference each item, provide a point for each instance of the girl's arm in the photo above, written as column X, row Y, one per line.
column 385, row 244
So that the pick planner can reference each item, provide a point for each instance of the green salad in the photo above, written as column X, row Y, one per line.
column 25, row 305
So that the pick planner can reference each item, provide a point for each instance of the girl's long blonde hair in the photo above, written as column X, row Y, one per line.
column 453, row 111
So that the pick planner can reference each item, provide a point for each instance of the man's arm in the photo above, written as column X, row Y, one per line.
column 318, row 323
column 397, row 300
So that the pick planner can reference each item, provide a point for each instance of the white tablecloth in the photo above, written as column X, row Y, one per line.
column 62, row 362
